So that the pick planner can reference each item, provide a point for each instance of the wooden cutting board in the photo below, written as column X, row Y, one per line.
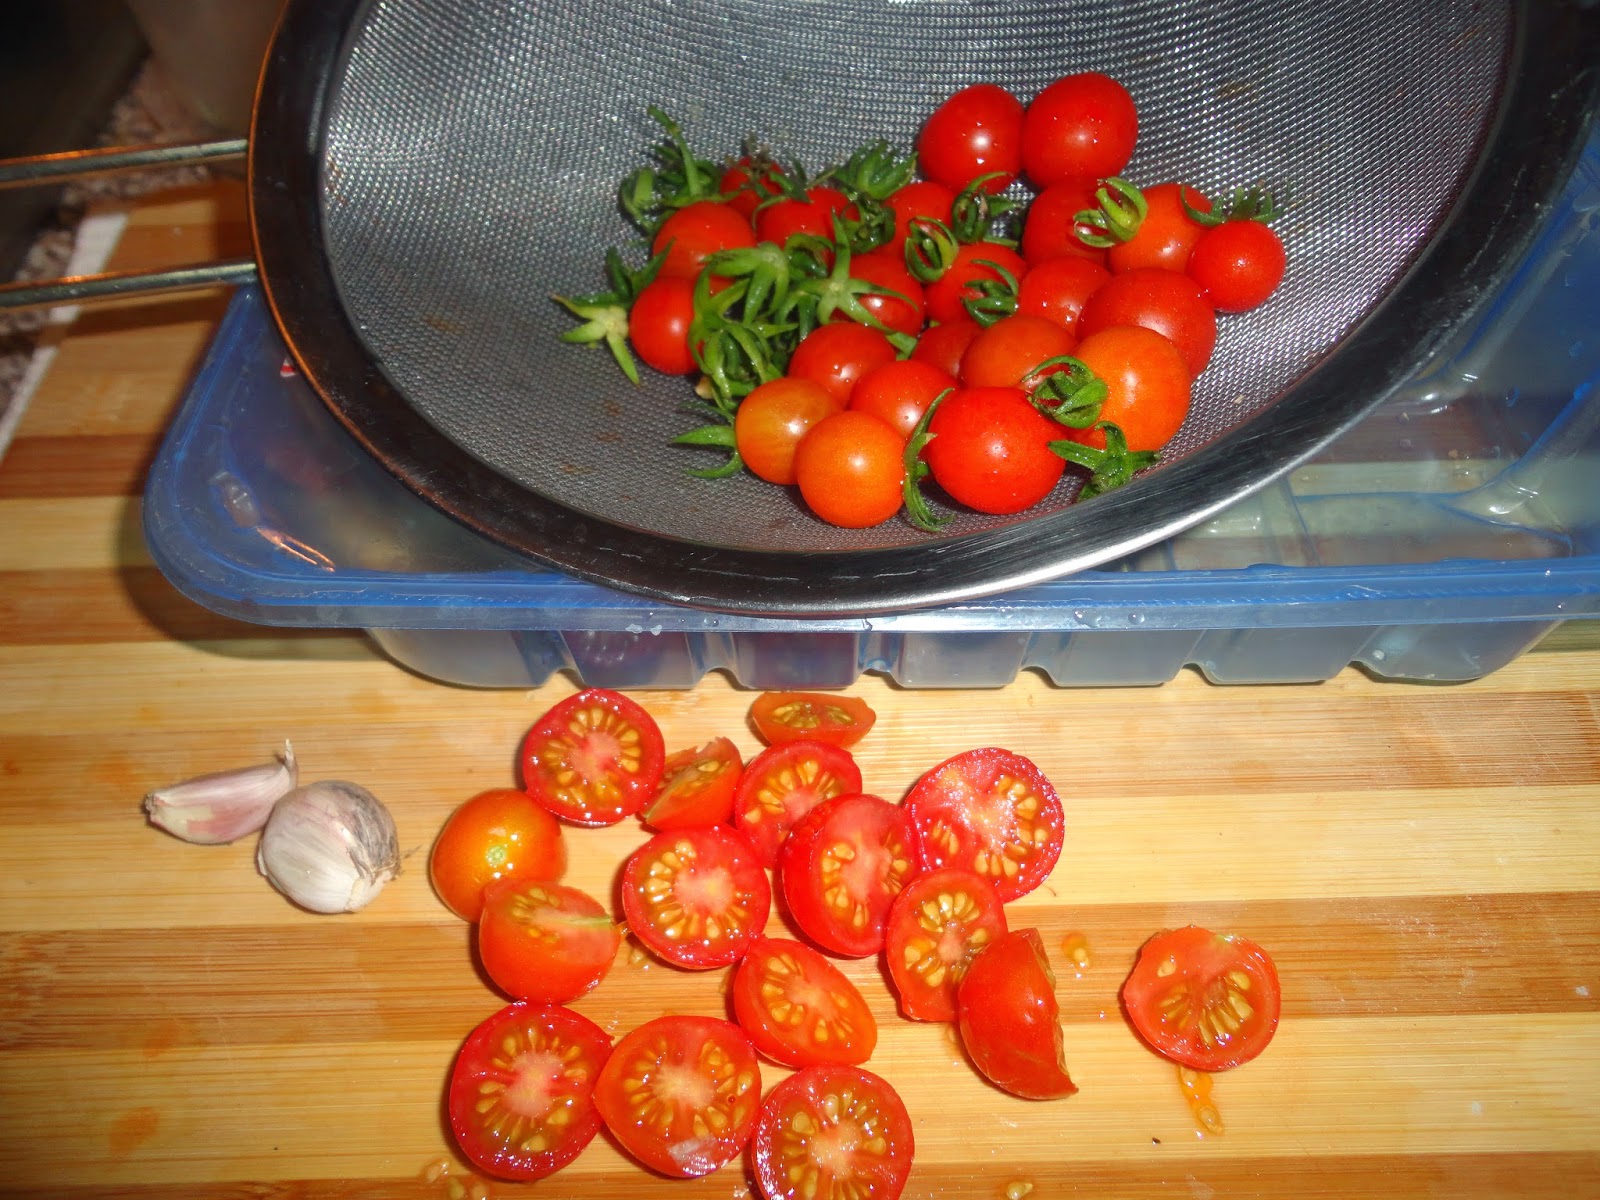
column 1423, row 862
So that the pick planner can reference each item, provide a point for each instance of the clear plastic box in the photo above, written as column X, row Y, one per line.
column 1437, row 540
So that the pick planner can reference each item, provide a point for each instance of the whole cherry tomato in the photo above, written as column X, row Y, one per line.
column 498, row 834
column 1238, row 264
column 697, row 231
column 772, row 419
column 921, row 199
column 1049, row 230
column 977, row 131
column 835, row 355
column 974, row 263
column 1058, row 288
column 658, row 324
column 1147, row 386
column 850, row 470
column 1081, row 125
column 990, row 450
column 780, row 220
column 1166, row 236
column 887, row 269
column 1167, row 302
column 900, row 392
column 1007, row 352
column 942, row 345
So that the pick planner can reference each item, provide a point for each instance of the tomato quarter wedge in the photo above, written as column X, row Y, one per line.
column 681, row 1093
column 935, row 926
column 1009, row 1020
column 593, row 759
column 1202, row 999
column 832, row 1133
column 842, row 866
column 782, row 717
column 783, row 783
column 696, row 897
column 799, row 1009
column 498, row 834
column 521, row 1091
column 697, row 787
column 545, row 942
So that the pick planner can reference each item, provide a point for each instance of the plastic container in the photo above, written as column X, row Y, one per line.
column 1438, row 540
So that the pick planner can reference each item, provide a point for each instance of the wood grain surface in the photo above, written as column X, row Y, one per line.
column 1422, row 861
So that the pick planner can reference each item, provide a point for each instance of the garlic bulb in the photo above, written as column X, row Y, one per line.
column 329, row 847
column 220, row 807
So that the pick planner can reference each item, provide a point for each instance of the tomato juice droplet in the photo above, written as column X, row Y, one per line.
column 1075, row 949
column 1196, row 1089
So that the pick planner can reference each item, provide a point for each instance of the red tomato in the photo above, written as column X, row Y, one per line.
column 1058, row 288
column 923, row 199
column 696, row 897
column 781, row 717
column 658, row 325
column 1238, row 264
column 1009, row 1020
column 1049, row 230
column 593, row 759
column 1206, row 1001
column 991, row 450
column 1167, row 234
column 799, row 1009
column 498, row 834
column 1081, row 125
column 935, row 926
column 841, row 867
column 785, row 782
column 946, row 297
column 1147, row 386
column 992, row 812
column 697, row 231
column 784, row 219
column 899, row 392
column 887, row 268
column 851, row 470
column 696, row 787
column 1168, row 302
column 747, row 190
column 942, row 345
column 1004, row 354
column 772, row 419
column 521, row 1098
column 545, row 942
column 832, row 1132
column 837, row 354
column 681, row 1093
column 978, row 131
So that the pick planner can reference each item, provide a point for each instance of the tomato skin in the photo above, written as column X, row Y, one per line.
column 841, row 867
column 835, row 355
column 610, row 746
column 784, row 990
column 497, row 834
column 1185, row 1000
column 745, row 189
column 772, row 420
column 1147, row 382
column 921, row 199
column 946, row 297
column 783, row 219
column 1238, row 265
column 936, row 924
column 943, row 344
column 1168, row 302
column 556, row 1057
column 1082, row 125
column 658, row 325
column 832, row 1108
column 1167, row 235
column 696, row 787
column 898, row 393
column 977, row 131
column 545, row 942
column 783, row 783
column 696, row 897
column 990, row 450
column 781, row 717
column 1049, row 230
column 1004, row 354
column 851, row 471
column 1058, row 288
column 990, row 811
column 652, row 1076
column 695, row 232
column 887, row 268
column 1009, row 1020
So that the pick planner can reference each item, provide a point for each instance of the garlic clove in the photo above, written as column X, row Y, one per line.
column 330, row 847
column 225, row 805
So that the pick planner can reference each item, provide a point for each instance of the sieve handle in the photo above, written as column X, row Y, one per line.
column 42, row 169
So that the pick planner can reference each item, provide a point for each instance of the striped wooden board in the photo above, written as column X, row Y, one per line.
column 1423, row 862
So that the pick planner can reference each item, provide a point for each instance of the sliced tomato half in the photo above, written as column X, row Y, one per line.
column 593, row 759
column 697, row 787
column 696, row 897
column 842, row 867
column 785, row 782
column 798, row 1008
column 781, row 717
column 1009, row 1020
column 832, row 1132
column 936, row 924
column 545, row 942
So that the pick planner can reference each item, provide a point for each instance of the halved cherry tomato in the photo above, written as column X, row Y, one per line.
column 1009, row 1020
column 1081, row 125
column 782, row 717
column 993, row 812
column 681, row 1093
column 1202, row 999
column 785, row 782
column 498, row 834
column 696, row 897
column 1168, row 302
column 826, row 1133
column 593, row 759
column 545, row 942
column 521, row 1098
column 798, row 1008
column 695, row 232
column 977, row 131
column 898, row 393
column 936, row 924
column 697, row 787
column 842, row 866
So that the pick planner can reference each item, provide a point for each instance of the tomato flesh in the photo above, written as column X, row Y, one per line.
column 783, row 783
column 498, row 834
column 697, row 787
column 781, row 717
column 696, row 897
column 798, row 1008
column 593, row 759
column 842, row 866
column 545, row 942
column 936, row 925
column 832, row 1133
column 1202, row 999
column 1009, row 1020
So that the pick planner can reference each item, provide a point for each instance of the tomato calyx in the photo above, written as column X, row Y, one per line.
column 918, row 512
column 1110, row 468
column 930, row 249
column 1254, row 203
column 650, row 194
column 1066, row 391
column 873, row 171
column 994, row 299
column 1122, row 209
column 977, row 211
column 605, row 314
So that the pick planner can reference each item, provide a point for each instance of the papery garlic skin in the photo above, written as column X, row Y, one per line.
column 225, row 805
column 330, row 847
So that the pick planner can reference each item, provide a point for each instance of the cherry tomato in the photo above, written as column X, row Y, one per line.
column 851, row 471
column 887, row 268
column 545, row 942
column 1004, row 354
column 942, row 345
column 1238, row 265
column 991, row 450
column 681, row 1093
column 936, row 924
column 899, row 392
column 1168, row 302
column 696, row 897
column 992, row 812
column 1147, row 386
column 1058, row 288
column 923, row 199
column 783, row 783
column 772, row 419
column 783, row 219
column 521, row 1097
column 832, row 1132
column 695, row 232
column 798, row 1008
column 835, row 355
column 747, row 186
column 1201, row 999
column 781, row 717
column 977, row 131
column 1009, row 1020
column 841, row 867
column 1049, row 230
column 974, row 263
column 658, row 324
column 1167, row 234
column 1081, row 125
column 696, row 787
column 593, row 759
column 498, row 834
